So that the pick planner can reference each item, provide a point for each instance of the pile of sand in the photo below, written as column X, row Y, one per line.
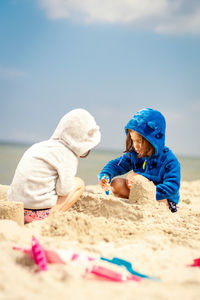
column 143, row 191
column 156, row 241
column 3, row 192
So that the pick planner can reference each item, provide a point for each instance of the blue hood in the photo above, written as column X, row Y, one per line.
column 151, row 125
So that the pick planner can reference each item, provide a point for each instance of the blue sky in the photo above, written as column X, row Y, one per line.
column 111, row 57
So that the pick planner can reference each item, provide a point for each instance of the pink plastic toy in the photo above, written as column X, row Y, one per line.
column 24, row 250
column 42, row 256
column 110, row 274
column 39, row 255
column 196, row 263
column 57, row 257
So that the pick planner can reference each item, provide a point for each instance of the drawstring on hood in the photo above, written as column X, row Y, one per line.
column 78, row 131
column 151, row 125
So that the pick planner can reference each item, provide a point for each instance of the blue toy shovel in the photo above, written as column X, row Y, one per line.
column 128, row 266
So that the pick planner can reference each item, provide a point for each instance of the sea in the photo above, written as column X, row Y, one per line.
column 89, row 167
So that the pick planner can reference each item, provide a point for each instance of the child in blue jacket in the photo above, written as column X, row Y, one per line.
column 147, row 155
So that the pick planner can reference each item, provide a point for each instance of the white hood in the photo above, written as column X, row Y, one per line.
column 78, row 131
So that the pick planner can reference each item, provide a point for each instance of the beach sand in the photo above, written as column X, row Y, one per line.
column 157, row 243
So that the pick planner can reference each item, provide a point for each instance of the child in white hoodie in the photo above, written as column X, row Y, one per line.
column 45, row 176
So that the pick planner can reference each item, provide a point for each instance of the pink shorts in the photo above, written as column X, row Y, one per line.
column 31, row 215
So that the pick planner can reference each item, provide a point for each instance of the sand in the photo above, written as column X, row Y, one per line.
column 156, row 242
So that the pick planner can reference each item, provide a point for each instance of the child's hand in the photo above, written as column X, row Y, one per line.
column 130, row 179
column 103, row 181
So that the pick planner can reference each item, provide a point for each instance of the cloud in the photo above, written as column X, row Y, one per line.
column 11, row 73
column 165, row 16
column 105, row 11
column 186, row 23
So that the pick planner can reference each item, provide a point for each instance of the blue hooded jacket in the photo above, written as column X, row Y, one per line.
column 163, row 168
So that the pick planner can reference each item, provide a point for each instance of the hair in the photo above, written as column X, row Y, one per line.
column 85, row 154
column 147, row 148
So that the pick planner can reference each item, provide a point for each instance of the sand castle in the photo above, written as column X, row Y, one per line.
column 3, row 192
column 143, row 191
column 10, row 210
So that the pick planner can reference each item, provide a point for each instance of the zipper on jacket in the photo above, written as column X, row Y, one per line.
column 144, row 164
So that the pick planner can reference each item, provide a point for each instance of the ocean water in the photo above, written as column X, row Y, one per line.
column 89, row 167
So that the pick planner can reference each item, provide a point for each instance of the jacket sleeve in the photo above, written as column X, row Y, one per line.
column 67, row 168
column 116, row 167
column 65, row 183
column 169, row 188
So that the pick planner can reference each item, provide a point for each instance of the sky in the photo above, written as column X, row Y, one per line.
column 111, row 57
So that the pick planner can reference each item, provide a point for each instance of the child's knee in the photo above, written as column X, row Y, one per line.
column 118, row 185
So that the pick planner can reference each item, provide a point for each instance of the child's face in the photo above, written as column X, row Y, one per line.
column 137, row 140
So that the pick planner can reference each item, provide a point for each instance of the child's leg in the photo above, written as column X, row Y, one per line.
column 164, row 201
column 65, row 202
column 119, row 188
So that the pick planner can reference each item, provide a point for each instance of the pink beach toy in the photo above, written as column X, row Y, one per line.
column 196, row 263
column 24, row 250
column 39, row 255
column 42, row 256
column 54, row 256
column 110, row 274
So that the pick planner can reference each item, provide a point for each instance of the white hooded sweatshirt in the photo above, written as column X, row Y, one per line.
column 47, row 169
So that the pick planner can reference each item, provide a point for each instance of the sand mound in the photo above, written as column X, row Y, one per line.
column 110, row 219
column 88, row 229
column 12, row 211
column 143, row 191
column 100, row 205
column 3, row 192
